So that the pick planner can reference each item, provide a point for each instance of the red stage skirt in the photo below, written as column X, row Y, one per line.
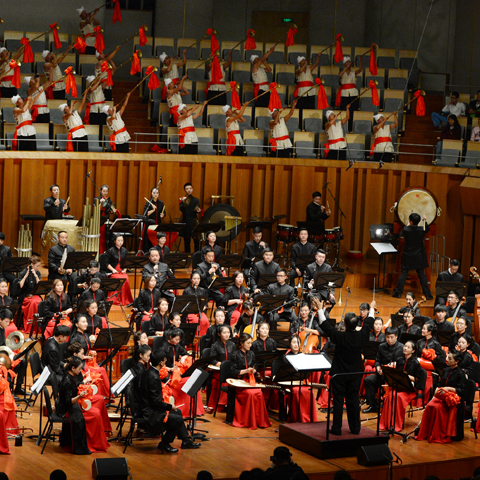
column 403, row 399
column 204, row 323
column 104, row 385
column 323, row 398
column 125, row 294
column 305, row 405
column 434, row 423
column 234, row 318
column 368, row 368
column 181, row 398
column 96, row 439
column 214, row 393
column 99, row 403
column 250, row 409
column 29, row 309
column 7, row 420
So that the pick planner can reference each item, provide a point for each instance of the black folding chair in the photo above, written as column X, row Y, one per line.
column 53, row 418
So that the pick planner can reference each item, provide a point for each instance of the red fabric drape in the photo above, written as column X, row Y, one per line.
column 373, row 62
column 106, row 68
column 214, row 46
column 80, row 45
column 338, row 48
column 117, row 14
column 216, row 71
column 322, row 102
column 290, row 39
column 250, row 42
column 143, row 37
column 27, row 51
column 135, row 68
column 420, row 109
column 231, row 141
column 56, row 40
column 99, row 40
column 153, row 82
column 235, row 98
column 274, row 98
column 16, row 73
column 373, row 87
column 71, row 84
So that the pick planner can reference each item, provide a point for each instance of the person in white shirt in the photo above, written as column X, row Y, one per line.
column 453, row 107
column 475, row 137
column 279, row 138
column 119, row 137
column 187, row 138
column 382, row 146
column 336, row 148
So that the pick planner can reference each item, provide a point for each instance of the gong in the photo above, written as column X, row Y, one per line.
column 216, row 214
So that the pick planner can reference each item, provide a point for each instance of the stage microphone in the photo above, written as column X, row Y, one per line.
column 326, row 185
column 88, row 174
column 352, row 163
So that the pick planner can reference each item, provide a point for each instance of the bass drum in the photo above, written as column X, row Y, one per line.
column 416, row 200
column 216, row 214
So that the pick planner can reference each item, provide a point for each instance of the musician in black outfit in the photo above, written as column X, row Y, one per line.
column 302, row 323
column 93, row 293
column 387, row 354
column 161, row 417
column 51, row 355
column 5, row 252
column 252, row 249
column 429, row 343
column 453, row 301
column 55, row 256
column 27, row 281
column 450, row 275
column 189, row 206
column 246, row 318
column 376, row 335
column 302, row 247
column 233, row 296
column 348, row 359
column 319, row 266
column 5, row 300
column 264, row 267
column 154, row 211
column 264, row 343
column 93, row 271
column 207, row 269
column 173, row 348
column 282, row 288
column 55, row 206
column 161, row 247
column 56, row 303
column 414, row 255
column 441, row 319
column 408, row 326
column 94, row 321
column 316, row 212
column 161, row 271
column 411, row 302
column 211, row 244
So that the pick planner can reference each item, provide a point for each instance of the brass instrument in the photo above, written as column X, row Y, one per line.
column 375, row 48
column 6, row 357
column 15, row 340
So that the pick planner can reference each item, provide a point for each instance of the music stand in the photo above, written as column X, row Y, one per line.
column 177, row 260
column 15, row 264
column 43, row 287
column 443, row 338
column 383, row 249
column 265, row 359
column 192, row 386
column 303, row 261
column 281, row 337
column 263, row 224
column 397, row 319
column 170, row 228
column 370, row 350
column 270, row 302
column 405, row 337
column 112, row 284
column 186, row 304
column 133, row 262
column 329, row 281
column 266, row 280
column 14, row 307
column 124, row 225
column 203, row 228
column 112, row 339
column 79, row 260
column 189, row 330
column 221, row 282
column 231, row 261
column 444, row 288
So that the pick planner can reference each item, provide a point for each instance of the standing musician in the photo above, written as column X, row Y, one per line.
column 246, row 318
column 260, row 68
column 96, row 101
column 5, row 252
column 279, row 138
column 170, row 70
column 348, row 359
column 28, row 279
column 77, row 138
column 57, row 256
column 187, row 138
column 305, row 83
column 52, row 70
column 234, row 137
column 107, row 208
column 211, row 244
column 252, row 249
column 189, row 206
column 382, row 145
column 87, row 27
column 317, row 213
column 175, row 92
column 160, row 271
column 319, row 266
column 214, row 88
column 208, row 271
column 414, row 255
column 102, row 75
column 282, row 288
column 154, row 210
column 264, row 267
column 119, row 137
column 54, row 206
column 301, row 324
column 302, row 247
column 57, row 305
column 161, row 247
column 233, row 298
column 348, row 88
column 40, row 110
column 7, row 90
column 336, row 148
column 26, row 135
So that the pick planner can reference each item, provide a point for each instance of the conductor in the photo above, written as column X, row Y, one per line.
column 348, row 359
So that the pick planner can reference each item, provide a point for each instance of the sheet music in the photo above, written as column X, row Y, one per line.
column 123, row 382
column 303, row 361
column 191, row 380
column 384, row 248
column 38, row 385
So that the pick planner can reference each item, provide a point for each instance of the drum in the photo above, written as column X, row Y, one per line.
column 286, row 233
column 50, row 238
column 152, row 236
column 315, row 238
column 330, row 235
column 416, row 200
column 338, row 231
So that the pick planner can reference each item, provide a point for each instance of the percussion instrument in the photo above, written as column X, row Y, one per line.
column 334, row 235
column 50, row 235
column 152, row 236
column 235, row 382
column 15, row 340
column 315, row 238
column 215, row 368
column 286, row 233
column 218, row 213
column 416, row 200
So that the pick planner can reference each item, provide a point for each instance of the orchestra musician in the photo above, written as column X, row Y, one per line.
column 246, row 318
column 234, row 297
column 174, row 323
column 336, row 148
column 302, row 247
column 301, row 324
column 95, row 322
column 28, row 279
column 461, row 326
column 317, row 213
column 215, row 88
column 452, row 304
column 279, row 137
column 409, row 326
column 57, row 305
column 212, row 333
column 107, row 209
column 57, row 256
column 93, row 292
column 304, row 79
column 211, row 244
column 161, row 247
column 116, row 255
column 154, row 210
column 160, row 271
column 189, row 206
column 260, row 68
column 51, row 355
column 5, row 252
column 54, row 206
column 52, row 70
column 441, row 319
column 159, row 320
column 208, row 271
column 251, row 249
column 264, row 267
column 195, row 289
column 5, row 300
column 319, row 266
column 410, row 300
column 87, row 28
column 451, row 274
column 376, row 335
column 148, row 299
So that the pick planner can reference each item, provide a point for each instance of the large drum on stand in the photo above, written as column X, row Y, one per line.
column 416, row 200
column 50, row 236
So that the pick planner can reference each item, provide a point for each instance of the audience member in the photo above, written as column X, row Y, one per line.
column 452, row 107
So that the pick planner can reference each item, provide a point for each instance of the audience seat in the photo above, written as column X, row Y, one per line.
column 304, row 144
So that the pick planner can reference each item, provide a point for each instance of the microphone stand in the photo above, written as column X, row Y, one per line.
column 199, row 313
column 90, row 178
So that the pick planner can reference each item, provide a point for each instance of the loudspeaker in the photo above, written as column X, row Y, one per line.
column 372, row 455
column 110, row 469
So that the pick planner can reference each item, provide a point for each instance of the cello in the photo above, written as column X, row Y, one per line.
column 252, row 329
column 454, row 318
column 310, row 340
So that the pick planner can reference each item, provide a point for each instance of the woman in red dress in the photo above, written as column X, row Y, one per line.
column 7, row 409
column 249, row 408
column 116, row 255
column 442, row 420
column 29, row 277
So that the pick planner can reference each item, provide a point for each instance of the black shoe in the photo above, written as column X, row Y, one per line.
column 371, row 409
column 20, row 391
column 188, row 444
column 336, row 431
column 165, row 447
column 430, row 297
column 396, row 295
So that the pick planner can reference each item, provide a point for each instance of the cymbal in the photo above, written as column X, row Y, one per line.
column 278, row 217
column 256, row 219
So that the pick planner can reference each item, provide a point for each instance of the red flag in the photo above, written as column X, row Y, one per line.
column 80, row 45
column 153, row 82
column 143, row 37
column 322, row 102
column 420, row 109
column 27, row 51
column 56, row 40
column 373, row 61
column 290, row 41
column 373, row 87
column 135, row 64
column 106, row 68
column 235, row 99
column 214, row 46
column 16, row 73
column 338, row 48
column 99, row 40
column 216, row 71
column 117, row 14
column 71, row 84
column 250, row 43
column 274, row 98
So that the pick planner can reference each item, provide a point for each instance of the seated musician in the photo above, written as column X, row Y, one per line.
column 28, row 279
column 195, row 289
column 54, row 206
column 93, row 293
column 282, row 288
column 319, row 266
column 452, row 304
column 8, row 407
column 246, row 406
column 246, row 318
column 159, row 320
column 211, row 244
column 407, row 362
column 451, row 274
column 141, row 362
column 161, row 247
column 441, row 319
column 57, row 255
column 174, row 323
column 264, row 343
column 302, row 323
column 148, row 299
column 302, row 247
column 140, row 338
column 107, row 209
column 264, row 267
column 317, row 213
column 116, row 255
column 5, row 300
column 388, row 353
column 410, row 304
column 161, row 417
column 363, row 309
column 212, row 333
column 461, row 327
column 93, row 271
column 207, row 269
column 464, row 346
column 95, row 322
column 154, row 210
column 437, row 426
column 376, row 335
column 5, row 252
column 409, row 326
column 7, row 316
column 234, row 297
column 51, row 355
column 222, row 350
column 252, row 249
column 57, row 308
column 159, row 270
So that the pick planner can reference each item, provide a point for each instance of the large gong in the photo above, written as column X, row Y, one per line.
column 217, row 213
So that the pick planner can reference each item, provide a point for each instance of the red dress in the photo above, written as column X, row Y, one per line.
column 204, row 323
column 125, row 297
column 7, row 412
column 29, row 309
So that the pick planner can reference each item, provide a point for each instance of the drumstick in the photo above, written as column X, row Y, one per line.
column 68, row 199
column 149, row 202
column 163, row 209
column 328, row 206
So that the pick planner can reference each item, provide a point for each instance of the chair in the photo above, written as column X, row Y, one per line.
column 472, row 157
column 146, row 326
column 330, row 76
column 451, row 153
column 135, row 417
column 147, row 50
column 285, row 74
column 355, row 146
column 297, row 50
column 362, row 122
column 313, row 120
column 386, row 58
column 64, row 40
column 43, row 141
column 420, row 386
column 52, row 416
column 397, row 78
column 408, row 61
column 304, row 143
column 225, row 372
column 325, row 58
column 205, row 145
column 196, row 70
column 278, row 55
column 157, row 343
column 366, row 104
column 379, row 78
column 183, row 43
column 469, row 396
column 254, row 143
